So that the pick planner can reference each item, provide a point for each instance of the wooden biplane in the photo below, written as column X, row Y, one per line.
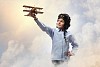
column 32, row 10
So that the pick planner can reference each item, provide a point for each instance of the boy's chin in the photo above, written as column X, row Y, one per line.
column 58, row 27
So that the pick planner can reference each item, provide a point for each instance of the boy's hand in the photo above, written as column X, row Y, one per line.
column 69, row 53
column 32, row 15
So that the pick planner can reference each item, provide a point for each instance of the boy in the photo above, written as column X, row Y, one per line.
column 61, row 38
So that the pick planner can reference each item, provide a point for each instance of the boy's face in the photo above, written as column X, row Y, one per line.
column 60, row 23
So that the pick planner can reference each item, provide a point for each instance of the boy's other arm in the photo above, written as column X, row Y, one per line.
column 73, row 43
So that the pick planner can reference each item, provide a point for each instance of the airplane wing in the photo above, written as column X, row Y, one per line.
column 35, row 12
column 32, row 7
column 26, row 10
column 40, row 12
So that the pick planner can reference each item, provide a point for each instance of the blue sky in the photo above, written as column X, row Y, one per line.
column 21, row 40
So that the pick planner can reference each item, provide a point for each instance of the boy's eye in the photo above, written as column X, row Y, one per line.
column 59, row 21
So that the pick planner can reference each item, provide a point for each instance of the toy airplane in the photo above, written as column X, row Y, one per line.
column 33, row 10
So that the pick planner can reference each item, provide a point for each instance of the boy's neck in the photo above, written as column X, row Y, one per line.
column 61, row 29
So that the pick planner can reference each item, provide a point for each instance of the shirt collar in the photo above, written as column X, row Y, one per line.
column 59, row 30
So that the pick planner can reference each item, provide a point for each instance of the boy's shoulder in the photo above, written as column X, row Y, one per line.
column 55, row 29
column 69, row 33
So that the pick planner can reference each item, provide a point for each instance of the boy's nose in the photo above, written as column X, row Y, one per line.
column 58, row 22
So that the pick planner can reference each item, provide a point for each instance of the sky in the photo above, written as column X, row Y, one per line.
column 23, row 44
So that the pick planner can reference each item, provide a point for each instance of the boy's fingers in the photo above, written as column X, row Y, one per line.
column 70, row 54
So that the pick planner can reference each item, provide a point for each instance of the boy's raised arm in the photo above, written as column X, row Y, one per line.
column 43, row 27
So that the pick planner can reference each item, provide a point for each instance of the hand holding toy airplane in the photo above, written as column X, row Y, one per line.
column 33, row 10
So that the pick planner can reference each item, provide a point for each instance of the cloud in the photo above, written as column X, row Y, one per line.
column 89, row 38
column 28, row 46
column 19, row 55
column 9, row 56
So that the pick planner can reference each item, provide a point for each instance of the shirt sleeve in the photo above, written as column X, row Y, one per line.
column 73, row 43
column 45, row 28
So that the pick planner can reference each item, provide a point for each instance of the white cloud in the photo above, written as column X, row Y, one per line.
column 32, row 48
column 9, row 56
column 88, row 54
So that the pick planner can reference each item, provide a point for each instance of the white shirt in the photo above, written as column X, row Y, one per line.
column 59, row 45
